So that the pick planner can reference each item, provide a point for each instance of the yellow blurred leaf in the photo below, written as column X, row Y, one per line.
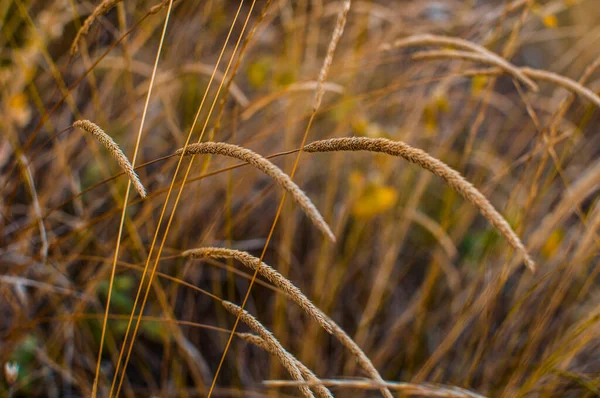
column 374, row 200
column 18, row 101
column 430, row 117
column 441, row 103
column 258, row 72
column 553, row 243
column 478, row 84
column 356, row 179
column 550, row 21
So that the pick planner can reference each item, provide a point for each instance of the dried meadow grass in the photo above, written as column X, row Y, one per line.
column 100, row 10
column 435, row 40
column 425, row 390
column 114, row 150
column 256, row 160
column 565, row 82
column 267, row 272
column 308, row 375
column 280, row 281
column 335, row 38
column 437, row 167
column 274, row 347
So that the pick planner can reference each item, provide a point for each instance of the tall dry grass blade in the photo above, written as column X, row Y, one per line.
column 308, row 375
column 565, row 82
column 260, row 103
column 577, row 193
column 100, row 10
column 435, row 40
column 24, row 162
column 275, row 347
column 335, row 38
column 269, row 273
column 114, row 150
column 424, row 390
column 256, row 160
column 437, row 167
column 280, row 281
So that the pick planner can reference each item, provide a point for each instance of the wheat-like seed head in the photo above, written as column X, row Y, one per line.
column 282, row 179
column 114, row 150
column 100, row 10
column 275, row 347
column 279, row 280
column 437, row 167
column 335, row 38
column 266, row 271
column 308, row 375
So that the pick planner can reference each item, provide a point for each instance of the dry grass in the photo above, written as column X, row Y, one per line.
column 286, row 359
column 307, row 374
column 428, row 299
column 262, row 164
column 410, row 389
column 268, row 273
column 116, row 152
column 437, row 167
column 428, row 40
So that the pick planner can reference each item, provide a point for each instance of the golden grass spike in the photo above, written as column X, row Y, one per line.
column 308, row 375
column 435, row 40
column 286, row 359
column 269, row 273
column 335, row 38
column 114, row 150
column 575, row 194
column 100, row 10
column 277, row 279
column 437, row 167
column 256, row 160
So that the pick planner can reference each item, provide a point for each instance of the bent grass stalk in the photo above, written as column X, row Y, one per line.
column 428, row 39
column 282, row 179
column 307, row 374
column 437, row 167
column 284, row 284
column 562, row 81
column 269, row 273
column 100, row 10
column 114, row 150
column 275, row 347
column 426, row 390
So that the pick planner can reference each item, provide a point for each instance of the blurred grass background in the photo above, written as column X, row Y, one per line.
column 422, row 282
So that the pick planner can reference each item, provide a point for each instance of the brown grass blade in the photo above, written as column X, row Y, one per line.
column 437, row 167
column 114, row 150
column 256, row 160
